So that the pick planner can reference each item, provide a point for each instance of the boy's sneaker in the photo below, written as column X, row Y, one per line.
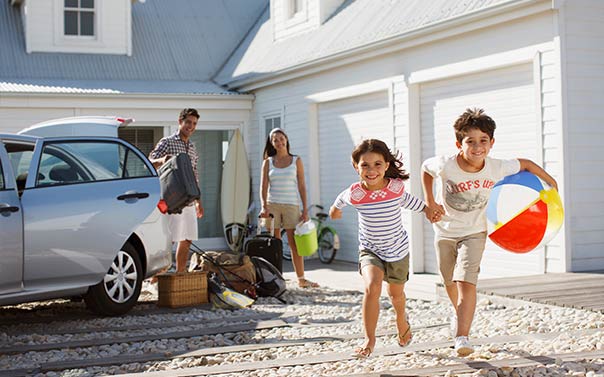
column 463, row 346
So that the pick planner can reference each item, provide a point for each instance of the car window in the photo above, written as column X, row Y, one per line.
column 1, row 178
column 74, row 162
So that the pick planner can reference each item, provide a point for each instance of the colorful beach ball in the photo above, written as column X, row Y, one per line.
column 523, row 213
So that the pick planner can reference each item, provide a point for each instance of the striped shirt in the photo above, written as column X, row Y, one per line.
column 381, row 228
column 174, row 145
column 283, row 183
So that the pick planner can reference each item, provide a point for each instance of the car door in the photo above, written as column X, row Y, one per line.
column 81, row 205
column 11, row 229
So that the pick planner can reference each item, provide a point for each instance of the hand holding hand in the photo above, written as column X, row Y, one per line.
column 335, row 213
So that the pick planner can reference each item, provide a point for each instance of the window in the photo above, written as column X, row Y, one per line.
column 1, row 178
column 270, row 123
column 295, row 7
column 64, row 163
column 79, row 18
column 142, row 138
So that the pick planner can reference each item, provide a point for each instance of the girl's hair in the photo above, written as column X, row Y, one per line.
column 395, row 170
column 269, row 150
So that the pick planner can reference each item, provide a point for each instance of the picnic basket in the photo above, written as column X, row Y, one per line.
column 182, row 289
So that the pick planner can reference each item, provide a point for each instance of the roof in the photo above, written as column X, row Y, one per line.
column 110, row 87
column 355, row 24
column 177, row 46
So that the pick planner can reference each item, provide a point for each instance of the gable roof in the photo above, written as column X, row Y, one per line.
column 355, row 25
column 177, row 46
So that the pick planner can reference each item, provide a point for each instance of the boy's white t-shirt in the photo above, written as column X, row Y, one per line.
column 463, row 194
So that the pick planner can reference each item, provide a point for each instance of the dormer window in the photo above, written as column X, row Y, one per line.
column 295, row 7
column 79, row 18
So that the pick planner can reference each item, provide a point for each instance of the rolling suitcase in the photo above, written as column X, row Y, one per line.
column 178, row 183
column 265, row 245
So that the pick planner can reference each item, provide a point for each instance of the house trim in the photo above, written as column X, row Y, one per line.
column 428, row 34
column 484, row 63
column 314, row 100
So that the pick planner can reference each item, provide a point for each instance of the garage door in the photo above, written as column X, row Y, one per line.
column 508, row 96
column 342, row 125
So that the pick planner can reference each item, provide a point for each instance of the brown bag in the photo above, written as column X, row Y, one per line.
column 236, row 271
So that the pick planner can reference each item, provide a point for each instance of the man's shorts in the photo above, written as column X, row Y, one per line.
column 394, row 272
column 183, row 226
column 287, row 216
column 459, row 258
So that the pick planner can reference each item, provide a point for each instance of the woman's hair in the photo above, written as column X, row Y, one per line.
column 395, row 170
column 269, row 150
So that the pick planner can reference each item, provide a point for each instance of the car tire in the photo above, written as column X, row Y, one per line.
column 118, row 292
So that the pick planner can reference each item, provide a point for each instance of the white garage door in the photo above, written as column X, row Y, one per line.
column 342, row 125
column 508, row 96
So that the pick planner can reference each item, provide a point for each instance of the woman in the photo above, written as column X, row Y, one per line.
column 281, row 181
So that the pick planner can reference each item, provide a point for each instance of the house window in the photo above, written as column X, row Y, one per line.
column 270, row 123
column 79, row 18
column 142, row 138
column 295, row 7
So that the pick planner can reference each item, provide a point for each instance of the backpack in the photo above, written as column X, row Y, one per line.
column 269, row 281
column 235, row 270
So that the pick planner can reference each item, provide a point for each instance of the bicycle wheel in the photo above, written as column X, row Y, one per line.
column 287, row 251
column 329, row 242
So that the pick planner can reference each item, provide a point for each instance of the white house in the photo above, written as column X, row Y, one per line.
column 144, row 60
column 332, row 72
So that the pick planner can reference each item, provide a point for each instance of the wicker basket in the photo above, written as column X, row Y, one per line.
column 183, row 289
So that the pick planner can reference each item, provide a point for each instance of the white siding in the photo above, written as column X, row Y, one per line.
column 342, row 125
column 298, row 112
column 508, row 96
column 583, row 57
column 44, row 28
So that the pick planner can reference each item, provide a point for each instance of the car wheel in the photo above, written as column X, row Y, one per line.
column 119, row 290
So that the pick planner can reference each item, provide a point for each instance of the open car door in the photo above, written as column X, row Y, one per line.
column 11, row 229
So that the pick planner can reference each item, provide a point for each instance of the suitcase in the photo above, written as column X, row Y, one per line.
column 178, row 183
column 265, row 245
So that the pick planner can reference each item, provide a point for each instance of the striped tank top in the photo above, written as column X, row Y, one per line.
column 283, row 183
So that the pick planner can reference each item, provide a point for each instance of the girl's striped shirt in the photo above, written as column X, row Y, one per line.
column 381, row 228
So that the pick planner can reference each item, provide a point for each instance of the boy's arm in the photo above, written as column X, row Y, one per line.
column 335, row 213
column 434, row 211
column 530, row 166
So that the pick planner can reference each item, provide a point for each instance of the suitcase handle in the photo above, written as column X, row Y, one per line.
column 259, row 227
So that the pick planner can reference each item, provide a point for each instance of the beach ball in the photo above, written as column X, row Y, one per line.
column 523, row 213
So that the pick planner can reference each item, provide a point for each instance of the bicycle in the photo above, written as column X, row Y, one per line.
column 328, row 239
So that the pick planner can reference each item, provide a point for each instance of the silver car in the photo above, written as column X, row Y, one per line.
column 78, row 215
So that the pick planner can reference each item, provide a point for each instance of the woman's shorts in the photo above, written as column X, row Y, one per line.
column 396, row 272
column 287, row 216
column 183, row 226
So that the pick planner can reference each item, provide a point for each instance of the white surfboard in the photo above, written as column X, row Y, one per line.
column 235, row 192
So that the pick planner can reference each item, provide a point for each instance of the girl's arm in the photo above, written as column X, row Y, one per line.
column 530, row 166
column 264, row 189
column 433, row 210
column 302, row 188
column 335, row 211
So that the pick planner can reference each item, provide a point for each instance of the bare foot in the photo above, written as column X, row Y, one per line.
column 305, row 283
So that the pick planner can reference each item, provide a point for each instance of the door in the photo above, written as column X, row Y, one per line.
column 81, row 203
column 342, row 125
column 11, row 225
column 211, row 147
column 508, row 96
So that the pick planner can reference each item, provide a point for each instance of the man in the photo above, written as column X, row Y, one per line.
column 183, row 227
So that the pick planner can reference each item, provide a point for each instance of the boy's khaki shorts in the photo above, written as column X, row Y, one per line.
column 287, row 216
column 459, row 258
column 394, row 272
